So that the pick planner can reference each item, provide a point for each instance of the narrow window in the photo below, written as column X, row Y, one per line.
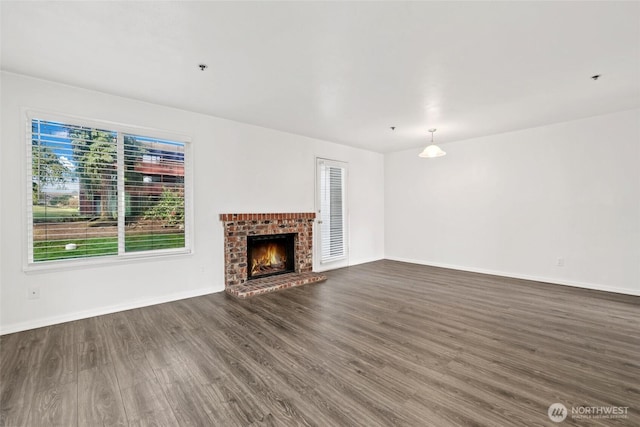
column 332, row 210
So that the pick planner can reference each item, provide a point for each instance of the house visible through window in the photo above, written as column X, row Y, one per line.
column 102, row 192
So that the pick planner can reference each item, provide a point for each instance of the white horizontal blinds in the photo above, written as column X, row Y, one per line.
column 332, row 211
column 73, row 209
column 154, row 193
column 97, row 192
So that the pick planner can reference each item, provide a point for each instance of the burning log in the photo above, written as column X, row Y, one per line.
column 269, row 261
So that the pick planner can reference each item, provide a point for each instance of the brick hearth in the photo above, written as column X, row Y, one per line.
column 274, row 283
column 236, row 229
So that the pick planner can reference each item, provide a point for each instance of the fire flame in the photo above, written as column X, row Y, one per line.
column 269, row 259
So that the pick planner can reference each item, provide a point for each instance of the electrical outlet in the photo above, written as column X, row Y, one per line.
column 560, row 262
column 34, row 293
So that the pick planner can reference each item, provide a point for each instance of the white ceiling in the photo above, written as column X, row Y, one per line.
column 343, row 71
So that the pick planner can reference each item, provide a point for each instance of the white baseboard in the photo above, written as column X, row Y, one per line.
column 53, row 320
column 593, row 286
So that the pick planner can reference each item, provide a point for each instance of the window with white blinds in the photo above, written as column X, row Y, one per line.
column 332, row 182
column 100, row 192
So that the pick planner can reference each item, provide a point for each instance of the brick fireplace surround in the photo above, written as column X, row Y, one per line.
column 236, row 229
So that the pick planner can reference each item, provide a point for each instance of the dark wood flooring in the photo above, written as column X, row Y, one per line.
column 384, row 343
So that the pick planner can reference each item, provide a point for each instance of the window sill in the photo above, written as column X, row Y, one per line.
column 104, row 261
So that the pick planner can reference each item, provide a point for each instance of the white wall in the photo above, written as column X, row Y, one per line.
column 512, row 204
column 237, row 167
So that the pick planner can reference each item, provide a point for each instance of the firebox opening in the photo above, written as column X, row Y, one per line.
column 268, row 255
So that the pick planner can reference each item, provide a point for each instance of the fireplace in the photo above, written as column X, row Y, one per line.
column 269, row 255
column 259, row 248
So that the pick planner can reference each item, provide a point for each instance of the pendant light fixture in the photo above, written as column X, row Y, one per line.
column 432, row 150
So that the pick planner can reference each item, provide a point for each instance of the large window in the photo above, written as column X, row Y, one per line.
column 101, row 191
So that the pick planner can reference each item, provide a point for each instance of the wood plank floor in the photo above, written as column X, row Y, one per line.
column 384, row 343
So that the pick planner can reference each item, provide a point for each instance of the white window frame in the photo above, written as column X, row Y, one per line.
column 343, row 260
column 122, row 257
